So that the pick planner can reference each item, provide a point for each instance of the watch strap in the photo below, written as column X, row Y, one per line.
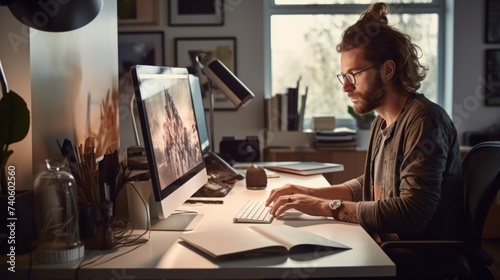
column 335, row 212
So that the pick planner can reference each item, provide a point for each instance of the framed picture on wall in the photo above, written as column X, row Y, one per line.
column 130, row 12
column 492, row 88
column 195, row 12
column 140, row 48
column 492, row 21
column 222, row 48
column 134, row 48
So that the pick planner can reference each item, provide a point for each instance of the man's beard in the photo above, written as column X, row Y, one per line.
column 373, row 98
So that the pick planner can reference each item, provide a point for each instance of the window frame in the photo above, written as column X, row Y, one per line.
column 436, row 7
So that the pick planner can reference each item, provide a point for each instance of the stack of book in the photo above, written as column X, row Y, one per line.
column 285, row 111
column 339, row 138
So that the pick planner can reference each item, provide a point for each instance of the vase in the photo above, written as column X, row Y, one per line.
column 56, row 214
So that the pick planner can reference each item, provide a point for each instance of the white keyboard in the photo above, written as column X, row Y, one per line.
column 254, row 211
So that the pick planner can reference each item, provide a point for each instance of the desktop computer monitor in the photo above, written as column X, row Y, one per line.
column 171, row 141
column 199, row 111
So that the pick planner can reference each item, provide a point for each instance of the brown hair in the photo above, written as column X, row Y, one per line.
column 382, row 42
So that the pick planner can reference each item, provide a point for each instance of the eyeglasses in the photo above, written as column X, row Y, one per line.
column 351, row 76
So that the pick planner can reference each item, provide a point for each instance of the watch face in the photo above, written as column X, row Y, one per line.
column 334, row 204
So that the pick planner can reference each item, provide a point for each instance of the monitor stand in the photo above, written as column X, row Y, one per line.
column 177, row 221
column 142, row 208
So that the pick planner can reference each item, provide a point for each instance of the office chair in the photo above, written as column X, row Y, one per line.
column 481, row 174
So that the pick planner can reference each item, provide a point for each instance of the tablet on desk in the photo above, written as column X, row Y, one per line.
column 307, row 167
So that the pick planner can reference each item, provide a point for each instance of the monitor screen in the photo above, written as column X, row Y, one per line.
column 170, row 137
column 199, row 112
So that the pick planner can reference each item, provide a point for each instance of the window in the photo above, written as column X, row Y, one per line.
column 302, row 40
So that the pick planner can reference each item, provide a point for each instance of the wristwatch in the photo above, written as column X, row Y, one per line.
column 334, row 206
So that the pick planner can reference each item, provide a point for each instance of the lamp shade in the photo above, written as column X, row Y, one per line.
column 54, row 16
column 232, row 87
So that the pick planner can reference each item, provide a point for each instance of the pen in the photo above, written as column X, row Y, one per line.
column 204, row 201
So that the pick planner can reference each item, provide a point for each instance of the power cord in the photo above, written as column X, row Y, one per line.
column 123, row 230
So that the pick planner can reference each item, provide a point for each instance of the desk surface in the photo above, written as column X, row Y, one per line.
column 163, row 257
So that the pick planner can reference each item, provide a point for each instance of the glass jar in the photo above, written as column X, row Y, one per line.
column 56, row 212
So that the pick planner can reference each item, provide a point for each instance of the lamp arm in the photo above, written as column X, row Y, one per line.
column 212, row 116
column 201, row 59
column 132, row 117
column 3, row 80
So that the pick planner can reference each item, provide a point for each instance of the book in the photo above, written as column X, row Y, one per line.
column 337, row 131
column 335, row 138
column 259, row 240
column 307, row 167
column 302, row 111
column 335, row 145
column 292, row 109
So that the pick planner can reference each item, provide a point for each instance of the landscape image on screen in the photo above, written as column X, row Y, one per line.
column 173, row 131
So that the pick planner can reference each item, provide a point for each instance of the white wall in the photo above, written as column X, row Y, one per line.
column 469, row 112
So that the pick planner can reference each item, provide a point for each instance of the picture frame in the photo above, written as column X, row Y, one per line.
column 492, row 29
column 150, row 43
column 222, row 48
column 132, row 12
column 147, row 48
column 204, row 13
column 492, row 90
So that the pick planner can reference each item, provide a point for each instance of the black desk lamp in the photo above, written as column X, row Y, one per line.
column 53, row 16
column 222, row 78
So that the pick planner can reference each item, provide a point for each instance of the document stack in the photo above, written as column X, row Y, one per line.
column 338, row 139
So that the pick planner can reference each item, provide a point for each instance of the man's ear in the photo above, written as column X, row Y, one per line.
column 388, row 69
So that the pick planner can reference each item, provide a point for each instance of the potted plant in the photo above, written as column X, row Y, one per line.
column 14, row 124
column 363, row 122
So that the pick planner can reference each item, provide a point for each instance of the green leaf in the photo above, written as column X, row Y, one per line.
column 14, row 118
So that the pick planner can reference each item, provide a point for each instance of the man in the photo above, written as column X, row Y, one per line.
column 411, row 188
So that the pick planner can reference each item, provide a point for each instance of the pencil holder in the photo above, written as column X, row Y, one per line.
column 96, row 226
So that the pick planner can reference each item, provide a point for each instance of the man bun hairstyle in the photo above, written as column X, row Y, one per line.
column 382, row 42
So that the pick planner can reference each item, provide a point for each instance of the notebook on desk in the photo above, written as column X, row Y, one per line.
column 259, row 241
column 307, row 167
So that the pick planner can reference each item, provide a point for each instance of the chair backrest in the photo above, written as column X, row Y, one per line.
column 481, row 171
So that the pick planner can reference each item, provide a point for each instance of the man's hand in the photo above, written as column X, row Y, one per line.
column 299, row 198
column 287, row 189
column 304, row 203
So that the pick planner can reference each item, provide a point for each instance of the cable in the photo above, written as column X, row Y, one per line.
column 123, row 232
column 132, row 116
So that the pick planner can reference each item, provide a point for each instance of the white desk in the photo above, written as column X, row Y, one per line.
column 162, row 257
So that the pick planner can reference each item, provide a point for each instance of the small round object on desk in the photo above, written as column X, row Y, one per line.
column 256, row 178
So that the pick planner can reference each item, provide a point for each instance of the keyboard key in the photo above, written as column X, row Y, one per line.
column 254, row 211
